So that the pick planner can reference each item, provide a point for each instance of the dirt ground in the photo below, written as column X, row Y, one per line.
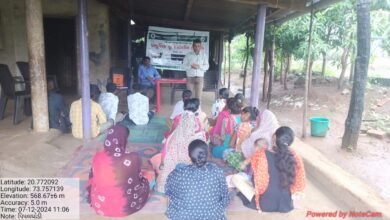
column 25, row 153
column 371, row 161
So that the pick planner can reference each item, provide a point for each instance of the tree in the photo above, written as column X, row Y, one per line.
column 247, row 54
column 268, row 47
column 356, row 107
column 288, row 39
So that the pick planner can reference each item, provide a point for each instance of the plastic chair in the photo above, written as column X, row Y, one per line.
column 24, row 69
column 8, row 82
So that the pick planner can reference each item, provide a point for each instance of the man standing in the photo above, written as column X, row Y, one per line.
column 195, row 64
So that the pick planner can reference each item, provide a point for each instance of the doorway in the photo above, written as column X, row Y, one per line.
column 60, row 50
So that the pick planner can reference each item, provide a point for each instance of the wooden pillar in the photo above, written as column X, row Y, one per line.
column 130, row 40
column 224, row 66
column 229, row 62
column 36, row 52
column 84, row 68
column 272, row 69
column 307, row 78
column 259, row 42
column 220, row 59
column 129, row 54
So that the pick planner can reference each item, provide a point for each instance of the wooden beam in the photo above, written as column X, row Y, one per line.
column 188, row 9
column 316, row 7
column 179, row 23
column 250, row 21
column 277, row 13
column 296, row 5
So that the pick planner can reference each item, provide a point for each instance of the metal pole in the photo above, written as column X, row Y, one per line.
column 84, row 70
column 259, row 42
column 36, row 52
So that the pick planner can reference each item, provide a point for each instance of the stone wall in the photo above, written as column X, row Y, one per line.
column 13, row 32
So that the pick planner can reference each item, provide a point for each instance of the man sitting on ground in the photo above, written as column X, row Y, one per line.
column 139, row 112
column 109, row 102
column 99, row 122
column 58, row 111
column 179, row 107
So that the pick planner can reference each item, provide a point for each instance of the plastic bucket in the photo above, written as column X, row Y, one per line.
column 319, row 126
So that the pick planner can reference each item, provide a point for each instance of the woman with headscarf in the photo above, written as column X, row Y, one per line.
column 177, row 147
column 266, row 127
column 277, row 175
column 116, row 187
column 198, row 190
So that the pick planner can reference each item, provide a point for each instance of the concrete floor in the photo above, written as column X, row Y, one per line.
column 24, row 153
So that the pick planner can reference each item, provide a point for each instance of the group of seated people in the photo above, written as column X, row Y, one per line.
column 104, row 111
column 267, row 171
column 104, row 106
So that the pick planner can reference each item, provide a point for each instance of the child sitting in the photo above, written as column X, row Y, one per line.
column 220, row 103
column 234, row 156
column 259, row 144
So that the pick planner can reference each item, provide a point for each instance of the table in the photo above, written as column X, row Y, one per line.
column 158, row 89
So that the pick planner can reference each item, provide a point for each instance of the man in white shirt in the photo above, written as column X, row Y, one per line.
column 138, row 108
column 109, row 102
column 195, row 64
column 179, row 107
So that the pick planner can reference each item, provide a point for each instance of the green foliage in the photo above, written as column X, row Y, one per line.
column 334, row 29
column 289, row 36
column 381, row 31
column 238, row 49
column 380, row 5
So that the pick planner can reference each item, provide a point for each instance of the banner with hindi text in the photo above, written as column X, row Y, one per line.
column 167, row 46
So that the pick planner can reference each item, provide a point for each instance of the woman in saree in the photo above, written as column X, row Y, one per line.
column 191, row 105
column 177, row 147
column 116, row 187
column 229, row 123
column 266, row 127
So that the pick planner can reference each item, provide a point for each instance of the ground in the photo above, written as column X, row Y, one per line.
column 25, row 153
column 372, row 156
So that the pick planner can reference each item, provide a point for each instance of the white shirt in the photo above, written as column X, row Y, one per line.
column 109, row 103
column 138, row 108
column 193, row 58
column 178, row 109
column 217, row 107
